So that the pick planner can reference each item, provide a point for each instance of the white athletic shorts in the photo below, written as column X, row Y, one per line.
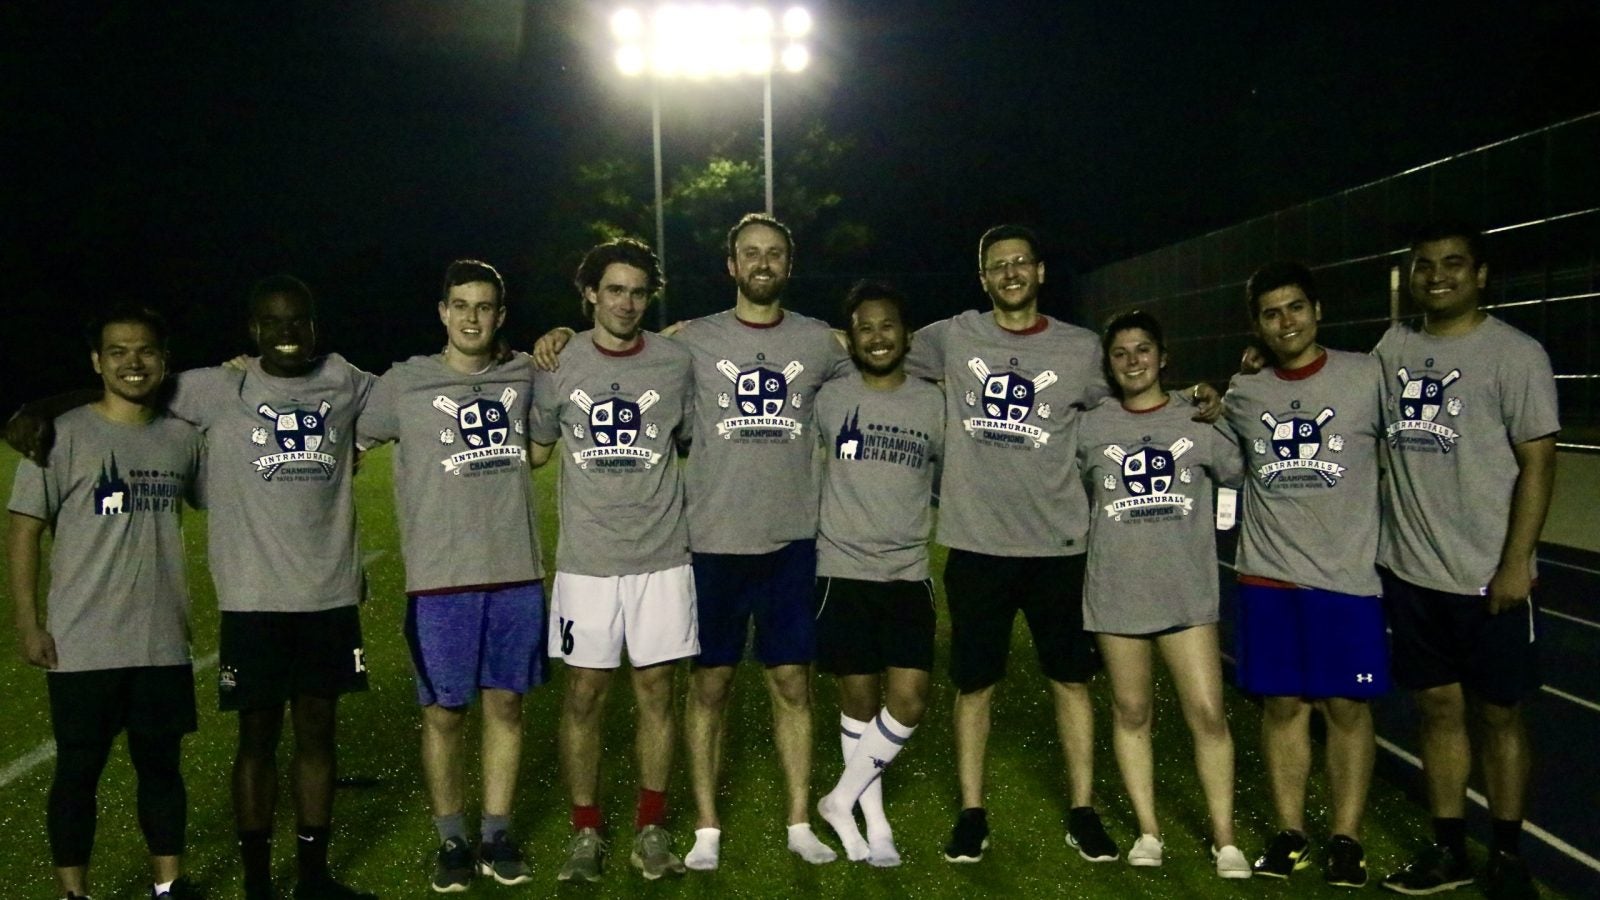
column 653, row 614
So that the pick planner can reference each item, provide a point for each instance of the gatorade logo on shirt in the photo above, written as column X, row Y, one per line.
column 1008, row 401
column 1423, row 397
column 613, row 432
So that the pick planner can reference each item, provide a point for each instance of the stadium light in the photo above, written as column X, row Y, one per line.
column 706, row 41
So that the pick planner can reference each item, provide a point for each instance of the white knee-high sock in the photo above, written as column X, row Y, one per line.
column 880, row 743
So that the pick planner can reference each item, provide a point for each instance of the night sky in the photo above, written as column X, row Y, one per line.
column 172, row 153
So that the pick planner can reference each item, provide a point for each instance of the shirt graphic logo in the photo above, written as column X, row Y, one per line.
column 847, row 445
column 614, row 427
column 485, row 426
column 110, row 492
column 1008, row 402
column 300, row 434
column 1296, row 443
column 1147, row 474
column 901, row 445
column 760, row 395
column 1421, row 400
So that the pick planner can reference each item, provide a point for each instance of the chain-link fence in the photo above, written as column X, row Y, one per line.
column 1537, row 197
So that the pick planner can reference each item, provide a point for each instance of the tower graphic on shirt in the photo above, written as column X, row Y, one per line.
column 301, row 435
column 111, row 494
column 847, row 445
column 1423, row 397
column 485, row 426
column 1008, row 400
column 1148, row 474
column 760, row 397
column 613, row 431
column 901, row 445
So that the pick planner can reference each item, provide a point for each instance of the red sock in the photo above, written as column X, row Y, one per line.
column 652, row 808
column 585, row 817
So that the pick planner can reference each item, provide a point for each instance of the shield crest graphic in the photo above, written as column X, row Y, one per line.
column 1008, row 396
column 761, row 392
column 298, row 429
column 1296, row 439
column 1149, row 471
column 483, row 423
column 1421, row 399
column 614, row 422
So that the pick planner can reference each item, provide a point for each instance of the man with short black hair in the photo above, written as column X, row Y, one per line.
column 475, row 617
column 619, row 403
column 1470, row 406
column 116, row 639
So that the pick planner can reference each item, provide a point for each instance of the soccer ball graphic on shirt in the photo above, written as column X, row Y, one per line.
column 298, row 429
column 614, row 422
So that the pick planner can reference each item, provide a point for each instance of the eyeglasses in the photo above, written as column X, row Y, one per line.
column 999, row 266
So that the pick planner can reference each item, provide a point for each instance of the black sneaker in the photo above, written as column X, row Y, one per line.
column 1506, row 878
column 454, row 871
column 969, row 838
column 1437, row 868
column 328, row 889
column 181, row 889
column 1288, row 853
column 1088, row 836
column 1346, row 865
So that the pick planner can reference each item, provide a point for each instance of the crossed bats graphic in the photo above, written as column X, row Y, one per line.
column 981, row 369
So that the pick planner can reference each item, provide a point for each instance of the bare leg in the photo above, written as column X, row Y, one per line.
column 710, row 689
column 790, row 690
column 1075, row 726
column 579, row 731
column 1351, row 748
column 442, row 729
column 972, row 742
column 655, row 726
column 502, row 749
column 315, row 768
column 858, row 696
column 1127, row 661
column 1446, row 749
column 1507, row 756
column 255, row 768
column 1286, row 746
column 1195, row 661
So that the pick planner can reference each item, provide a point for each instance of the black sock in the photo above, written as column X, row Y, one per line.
column 255, row 849
column 1505, row 836
column 1452, row 833
column 312, row 853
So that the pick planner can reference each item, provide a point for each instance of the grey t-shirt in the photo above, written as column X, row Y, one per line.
column 1310, row 504
column 1454, row 408
column 752, row 484
column 1012, row 403
column 877, row 483
column 279, row 451
column 461, row 486
column 112, row 493
column 1151, row 476
column 618, row 416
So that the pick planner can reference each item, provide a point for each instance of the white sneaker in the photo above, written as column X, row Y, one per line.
column 1230, row 862
column 1146, row 851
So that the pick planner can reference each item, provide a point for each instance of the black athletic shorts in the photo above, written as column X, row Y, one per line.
column 864, row 627
column 268, row 658
column 1441, row 638
column 93, row 707
column 985, row 593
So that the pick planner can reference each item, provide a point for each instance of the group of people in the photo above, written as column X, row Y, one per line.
column 1075, row 487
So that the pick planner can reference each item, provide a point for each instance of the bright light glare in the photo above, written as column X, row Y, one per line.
column 627, row 25
column 796, row 22
column 701, row 40
column 630, row 60
column 795, row 57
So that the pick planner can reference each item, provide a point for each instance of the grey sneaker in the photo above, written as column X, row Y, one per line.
column 501, row 859
column 652, row 853
column 454, row 871
column 586, row 854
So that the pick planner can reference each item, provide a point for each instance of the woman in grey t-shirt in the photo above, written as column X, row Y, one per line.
column 1151, row 579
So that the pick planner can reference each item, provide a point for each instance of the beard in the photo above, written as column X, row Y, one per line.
column 763, row 293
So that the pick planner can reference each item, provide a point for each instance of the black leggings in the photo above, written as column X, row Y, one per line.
column 163, row 802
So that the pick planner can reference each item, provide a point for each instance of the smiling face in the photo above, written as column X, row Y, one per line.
column 1446, row 282
column 130, row 362
column 619, row 301
column 285, row 334
column 1136, row 361
column 1011, row 275
column 1286, row 321
column 472, row 314
column 760, row 263
column 878, row 339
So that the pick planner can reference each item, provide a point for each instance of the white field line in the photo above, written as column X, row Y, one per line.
column 46, row 751
column 1478, row 798
column 1566, row 565
column 1570, row 618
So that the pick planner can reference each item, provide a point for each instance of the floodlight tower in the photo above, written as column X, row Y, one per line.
column 701, row 41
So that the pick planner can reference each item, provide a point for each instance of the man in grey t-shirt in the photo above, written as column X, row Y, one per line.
column 1471, row 421
column 116, row 640
column 623, row 581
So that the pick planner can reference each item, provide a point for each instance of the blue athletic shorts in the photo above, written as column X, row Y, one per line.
column 773, row 588
column 476, row 639
column 1304, row 642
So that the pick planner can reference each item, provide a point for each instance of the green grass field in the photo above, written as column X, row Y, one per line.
column 384, row 838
